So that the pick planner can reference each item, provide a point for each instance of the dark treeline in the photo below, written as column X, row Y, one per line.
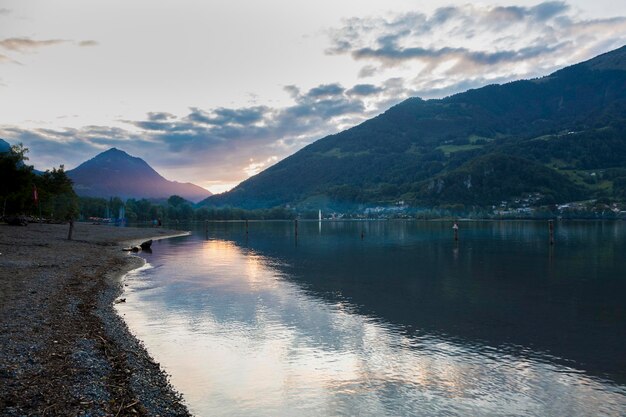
column 174, row 208
column 24, row 192
column 57, row 200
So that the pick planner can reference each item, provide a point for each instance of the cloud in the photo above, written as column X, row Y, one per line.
column 389, row 54
column 292, row 90
column 548, row 10
column 88, row 43
column 51, row 147
column 257, row 166
column 326, row 90
column 464, row 43
column 159, row 116
column 27, row 44
column 367, row 71
column 23, row 45
column 364, row 90
column 224, row 116
column 404, row 55
column 208, row 145
column 4, row 11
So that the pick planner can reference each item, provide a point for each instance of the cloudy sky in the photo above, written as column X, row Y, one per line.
column 214, row 91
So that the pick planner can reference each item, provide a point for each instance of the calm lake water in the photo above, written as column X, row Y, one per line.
column 401, row 322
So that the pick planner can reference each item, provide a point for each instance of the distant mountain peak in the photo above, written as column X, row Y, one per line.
column 112, row 151
column 118, row 154
column 116, row 173
column 115, row 151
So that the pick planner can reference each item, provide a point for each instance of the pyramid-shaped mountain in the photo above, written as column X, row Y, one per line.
column 561, row 137
column 115, row 173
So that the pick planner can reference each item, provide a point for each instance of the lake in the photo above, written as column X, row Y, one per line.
column 388, row 318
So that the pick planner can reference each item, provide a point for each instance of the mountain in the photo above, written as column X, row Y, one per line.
column 116, row 173
column 562, row 136
column 4, row 146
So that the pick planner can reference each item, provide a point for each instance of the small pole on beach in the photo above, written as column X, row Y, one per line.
column 206, row 229
column 69, row 234
column 35, row 199
column 551, row 229
column 456, row 231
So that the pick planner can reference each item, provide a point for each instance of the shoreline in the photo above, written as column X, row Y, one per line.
column 64, row 350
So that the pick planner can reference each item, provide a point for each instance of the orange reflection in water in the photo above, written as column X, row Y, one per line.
column 231, row 268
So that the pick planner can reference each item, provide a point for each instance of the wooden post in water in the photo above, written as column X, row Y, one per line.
column 295, row 227
column 69, row 233
column 362, row 233
column 551, row 228
column 456, row 231
column 246, row 227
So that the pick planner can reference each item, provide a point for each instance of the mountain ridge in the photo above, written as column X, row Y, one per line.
column 397, row 154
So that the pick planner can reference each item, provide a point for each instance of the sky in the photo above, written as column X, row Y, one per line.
column 212, row 92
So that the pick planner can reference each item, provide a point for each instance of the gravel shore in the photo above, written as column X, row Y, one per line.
column 63, row 349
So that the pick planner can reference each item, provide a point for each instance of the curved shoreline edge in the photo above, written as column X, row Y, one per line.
column 148, row 380
column 64, row 350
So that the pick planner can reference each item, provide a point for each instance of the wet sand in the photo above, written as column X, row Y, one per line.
column 63, row 349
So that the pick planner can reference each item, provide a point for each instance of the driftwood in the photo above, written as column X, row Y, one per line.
column 132, row 249
column 145, row 246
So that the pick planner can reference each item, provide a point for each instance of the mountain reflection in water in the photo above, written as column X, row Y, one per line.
column 401, row 322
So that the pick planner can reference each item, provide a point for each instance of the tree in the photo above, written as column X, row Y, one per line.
column 16, row 184
column 176, row 201
column 57, row 197
column 92, row 207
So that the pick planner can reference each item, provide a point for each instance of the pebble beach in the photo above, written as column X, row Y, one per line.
column 63, row 349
